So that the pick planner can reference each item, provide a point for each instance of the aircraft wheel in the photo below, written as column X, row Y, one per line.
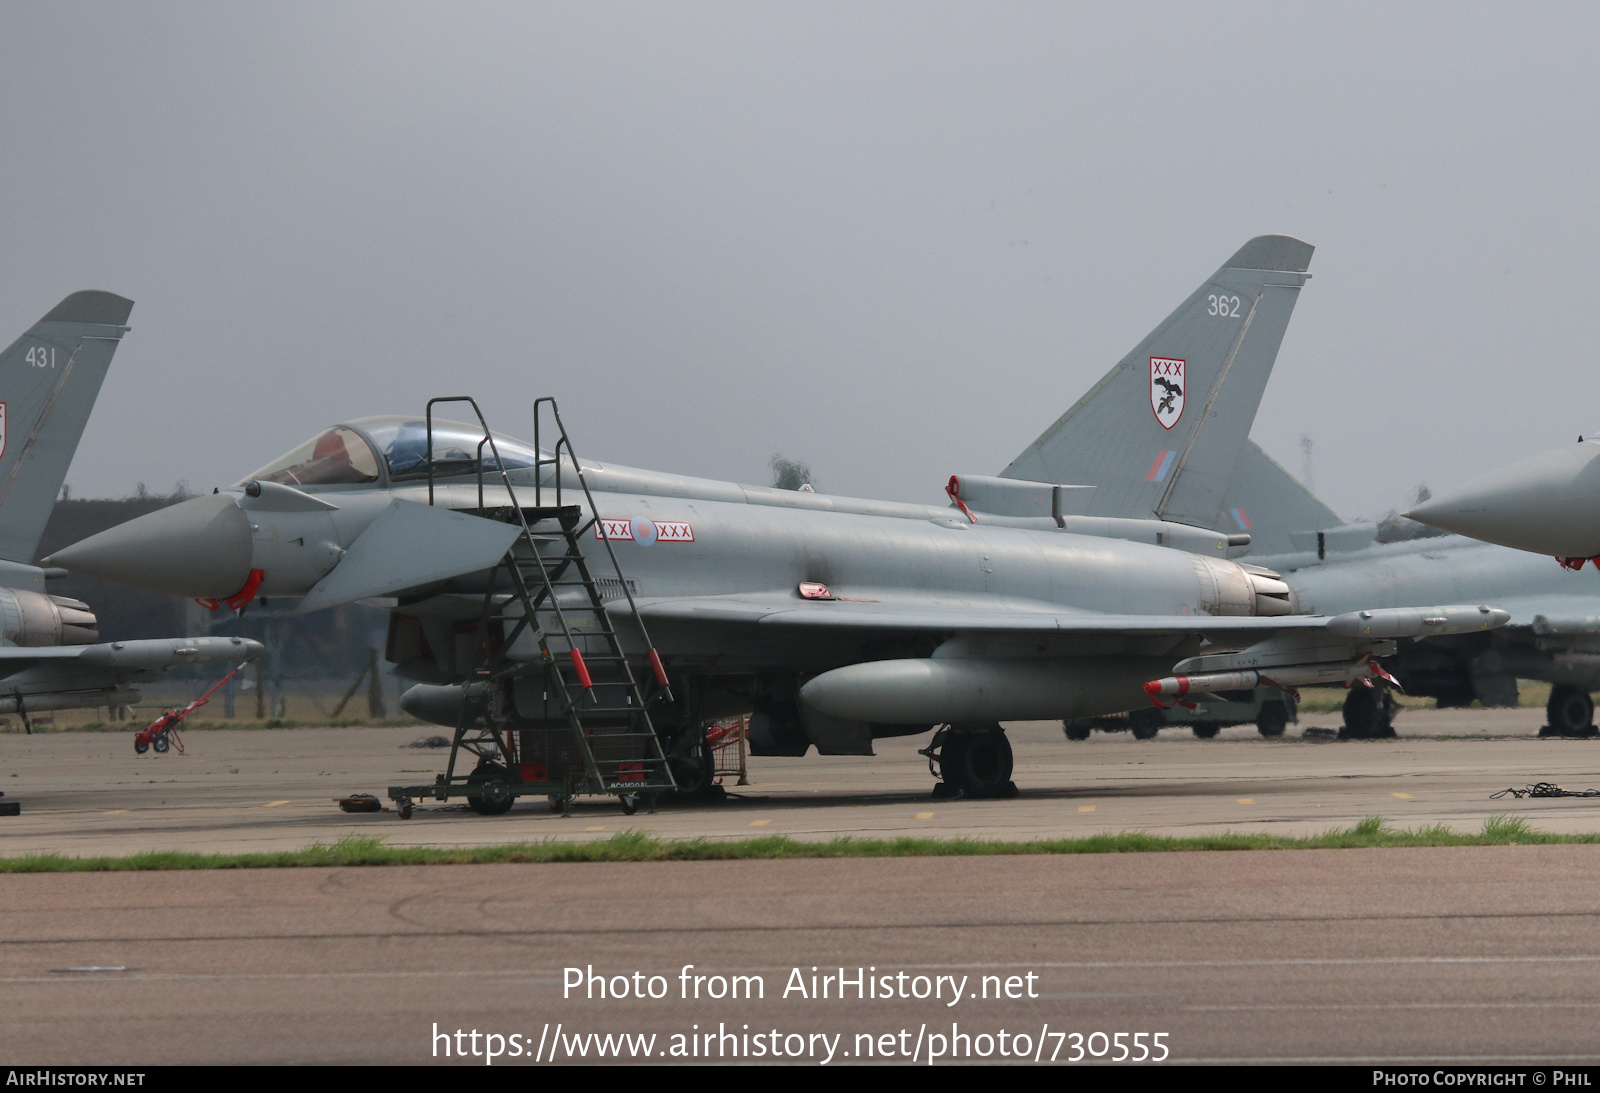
column 1272, row 719
column 558, row 805
column 495, row 797
column 1368, row 712
column 694, row 767
column 1206, row 730
column 978, row 763
column 160, row 743
column 1569, row 710
column 1145, row 723
column 630, row 803
column 1076, row 730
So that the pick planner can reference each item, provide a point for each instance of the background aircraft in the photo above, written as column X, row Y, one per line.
column 51, row 656
column 1330, row 566
column 1548, row 503
column 524, row 598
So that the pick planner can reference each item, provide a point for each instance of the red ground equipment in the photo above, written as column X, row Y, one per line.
column 162, row 733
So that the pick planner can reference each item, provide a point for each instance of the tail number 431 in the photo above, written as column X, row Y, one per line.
column 42, row 356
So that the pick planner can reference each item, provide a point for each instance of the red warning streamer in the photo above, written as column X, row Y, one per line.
column 582, row 669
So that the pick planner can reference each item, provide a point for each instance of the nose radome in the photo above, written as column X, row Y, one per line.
column 199, row 547
column 1548, row 503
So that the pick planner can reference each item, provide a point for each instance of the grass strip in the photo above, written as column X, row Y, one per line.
column 639, row 846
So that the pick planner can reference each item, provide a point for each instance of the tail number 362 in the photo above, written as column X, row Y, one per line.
column 1226, row 307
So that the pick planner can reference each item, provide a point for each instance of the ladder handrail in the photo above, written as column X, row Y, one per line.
column 511, row 494
column 600, row 524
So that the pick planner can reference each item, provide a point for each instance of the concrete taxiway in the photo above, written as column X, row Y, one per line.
column 1429, row 955
column 87, row 793
column 1485, row 955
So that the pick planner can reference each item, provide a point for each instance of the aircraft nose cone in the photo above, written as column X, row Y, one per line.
column 199, row 547
column 1548, row 504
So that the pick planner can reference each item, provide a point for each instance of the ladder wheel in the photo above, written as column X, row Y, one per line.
column 630, row 803
column 405, row 810
column 495, row 797
column 558, row 805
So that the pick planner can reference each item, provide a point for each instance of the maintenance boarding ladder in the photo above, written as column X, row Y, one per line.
column 553, row 634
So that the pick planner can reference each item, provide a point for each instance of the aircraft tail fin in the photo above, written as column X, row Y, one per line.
column 1152, row 436
column 49, row 379
column 1270, row 505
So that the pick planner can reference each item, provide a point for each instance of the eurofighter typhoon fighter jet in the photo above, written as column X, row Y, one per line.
column 1548, row 504
column 1215, row 477
column 51, row 656
column 579, row 623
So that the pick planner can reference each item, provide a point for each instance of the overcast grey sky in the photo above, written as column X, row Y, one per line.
column 893, row 240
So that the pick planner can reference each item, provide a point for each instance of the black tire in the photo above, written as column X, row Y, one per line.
column 952, row 759
column 558, row 805
column 1076, row 730
column 405, row 811
column 629, row 803
column 1569, row 711
column 1206, row 730
column 978, row 763
column 694, row 767
column 140, row 746
column 1145, row 723
column 160, row 743
column 1368, row 712
column 1272, row 719
column 495, row 798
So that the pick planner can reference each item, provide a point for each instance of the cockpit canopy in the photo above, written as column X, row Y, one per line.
column 359, row 451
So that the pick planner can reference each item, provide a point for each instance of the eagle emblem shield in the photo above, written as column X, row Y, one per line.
column 1167, row 383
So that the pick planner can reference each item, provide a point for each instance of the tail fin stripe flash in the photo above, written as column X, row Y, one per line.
column 1159, row 469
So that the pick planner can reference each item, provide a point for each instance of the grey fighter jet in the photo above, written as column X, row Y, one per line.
column 579, row 623
column 51, row 656
column 1548, row 504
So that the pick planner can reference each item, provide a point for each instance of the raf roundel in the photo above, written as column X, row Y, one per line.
column 1167, row 384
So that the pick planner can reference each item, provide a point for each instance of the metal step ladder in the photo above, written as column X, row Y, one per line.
column 551, row 640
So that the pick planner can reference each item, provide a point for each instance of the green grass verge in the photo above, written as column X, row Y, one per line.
column 638, row 846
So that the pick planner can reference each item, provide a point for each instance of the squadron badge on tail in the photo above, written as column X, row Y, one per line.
column 1166, row 390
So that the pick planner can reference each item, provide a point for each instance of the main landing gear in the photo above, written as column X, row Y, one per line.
column 1570, row 712
column 1369, row 713
column 973, row 760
